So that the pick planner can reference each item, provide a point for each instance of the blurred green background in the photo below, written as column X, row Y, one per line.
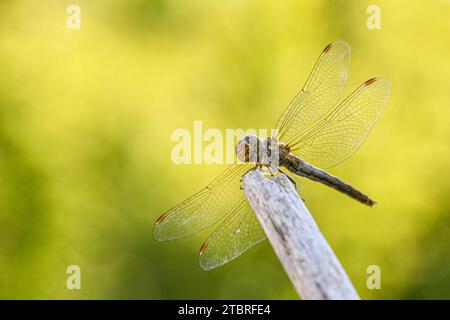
column 85, row 123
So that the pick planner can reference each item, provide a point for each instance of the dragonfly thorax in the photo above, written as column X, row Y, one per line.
column 269, row 151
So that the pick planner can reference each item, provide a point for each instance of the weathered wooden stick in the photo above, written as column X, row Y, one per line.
column 311, row 264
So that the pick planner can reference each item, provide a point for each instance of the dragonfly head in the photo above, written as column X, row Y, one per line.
column 250, row 149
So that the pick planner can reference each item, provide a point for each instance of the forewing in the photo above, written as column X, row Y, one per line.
column 236, row 234
column 320, row 93
column 343, row 130
column 204, row 208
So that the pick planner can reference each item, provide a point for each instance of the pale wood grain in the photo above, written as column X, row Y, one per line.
column 311, row 264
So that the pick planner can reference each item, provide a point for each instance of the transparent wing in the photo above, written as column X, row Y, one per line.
column 342, row 131
column 236, row 234
column 204, row 208
column 321, row 92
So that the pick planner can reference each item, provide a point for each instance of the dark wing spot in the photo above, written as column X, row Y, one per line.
column 327, row 48
column 160, row 219
column 370, row 81
column 203, row 248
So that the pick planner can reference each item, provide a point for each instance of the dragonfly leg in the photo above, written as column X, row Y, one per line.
column 290, row 179
column 293, row 182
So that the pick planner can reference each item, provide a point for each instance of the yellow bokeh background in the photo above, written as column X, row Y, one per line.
column 85, row 151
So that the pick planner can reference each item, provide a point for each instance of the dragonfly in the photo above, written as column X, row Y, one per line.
column 315, row 132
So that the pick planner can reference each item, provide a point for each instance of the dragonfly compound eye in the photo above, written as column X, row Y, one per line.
column 249, row 149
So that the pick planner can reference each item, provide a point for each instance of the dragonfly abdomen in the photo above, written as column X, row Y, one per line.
column 304, row 169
